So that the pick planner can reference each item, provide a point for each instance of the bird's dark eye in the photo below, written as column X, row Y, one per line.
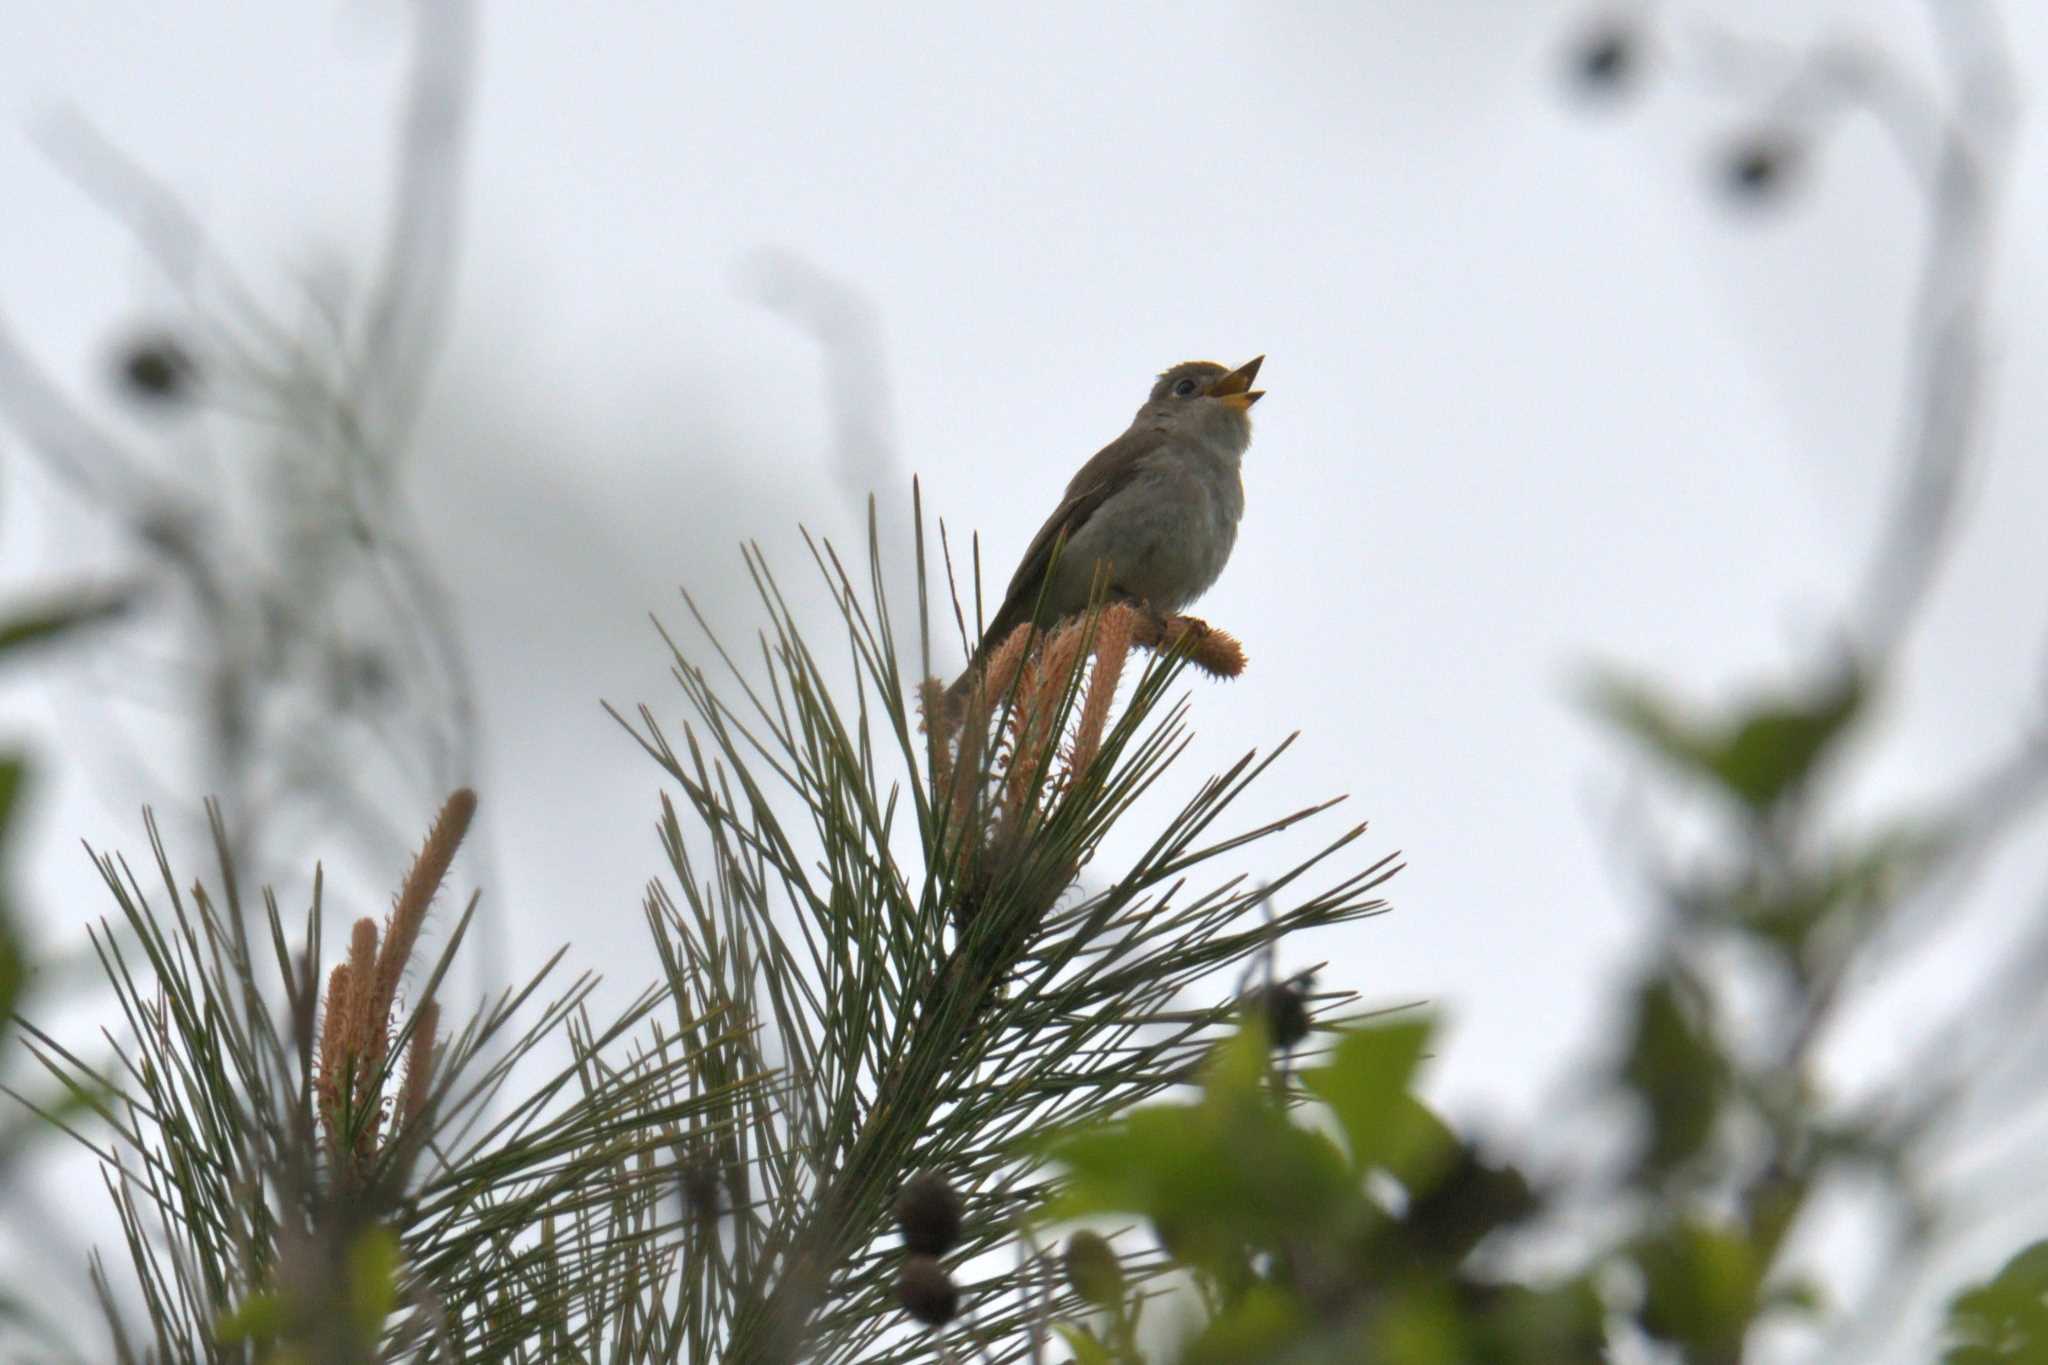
column 1184, row 389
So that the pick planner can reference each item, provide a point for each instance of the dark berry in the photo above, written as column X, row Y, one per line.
column 1757, row 167
column 1606, row 58
column 157, row 369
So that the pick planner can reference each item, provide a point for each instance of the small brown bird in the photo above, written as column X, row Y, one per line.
column 1155, row 512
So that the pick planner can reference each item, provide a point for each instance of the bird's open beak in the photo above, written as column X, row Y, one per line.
column 1236, row 388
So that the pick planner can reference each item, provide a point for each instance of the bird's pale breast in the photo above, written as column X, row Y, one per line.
column 1166, row 534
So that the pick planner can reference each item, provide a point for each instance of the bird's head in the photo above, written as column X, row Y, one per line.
column 1202, row 398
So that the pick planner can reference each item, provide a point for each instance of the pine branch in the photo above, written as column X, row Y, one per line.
column 928, row 1012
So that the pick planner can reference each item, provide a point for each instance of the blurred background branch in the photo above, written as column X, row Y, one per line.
column 285, row 642
column 291, row 618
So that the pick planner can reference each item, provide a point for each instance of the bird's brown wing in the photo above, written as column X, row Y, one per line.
column 1106, row 474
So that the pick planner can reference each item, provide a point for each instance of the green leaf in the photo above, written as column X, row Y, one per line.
column 1769, row 748
column 1258, row 1327
column 1649, row 716
column 1087, row 1350
column 2005, row 1320
column 1517, row 1324
column 1680, row 1074
column 46, row 621
column 373, row 1263
column 1217, row 1177
column 1857, row 882
column 1366, row 1084
column 1239, row 1069
column 1420, row 1325
column 1702, row 1288
column 260, row 1317
column 1776, row 744
column 1218, row 1181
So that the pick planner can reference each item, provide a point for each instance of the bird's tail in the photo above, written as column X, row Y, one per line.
column 953, row 702
column 953, row 708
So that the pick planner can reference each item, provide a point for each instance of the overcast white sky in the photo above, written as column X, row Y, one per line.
column 1536, row 398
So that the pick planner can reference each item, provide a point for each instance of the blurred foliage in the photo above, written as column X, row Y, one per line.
column 1305, row 1245
column 13, row 958
column 23, row 631
column 2005, row 1319
column 1767, row 751
column 1377, row 1234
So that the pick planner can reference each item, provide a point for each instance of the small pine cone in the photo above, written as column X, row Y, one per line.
column 928, row 1212
column 926, row 1291
column 1094, row 1270
column 701, row 1188
column 1285, row 1005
